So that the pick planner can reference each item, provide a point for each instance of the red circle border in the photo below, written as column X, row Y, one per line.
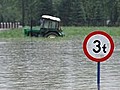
column 91, row 57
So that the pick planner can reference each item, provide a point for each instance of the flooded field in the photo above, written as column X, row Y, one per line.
column 54, row 65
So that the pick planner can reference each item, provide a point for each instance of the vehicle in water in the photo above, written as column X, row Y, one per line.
column 50, row 27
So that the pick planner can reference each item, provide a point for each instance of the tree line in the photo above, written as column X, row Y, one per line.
column 71, row 12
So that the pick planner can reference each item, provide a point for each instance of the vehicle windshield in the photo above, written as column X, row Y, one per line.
column 49, row 24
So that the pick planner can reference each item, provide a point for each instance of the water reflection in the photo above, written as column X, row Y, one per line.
column 53, row 66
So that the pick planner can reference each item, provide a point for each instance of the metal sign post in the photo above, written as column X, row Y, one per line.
column 98, row 75
column 98, row 46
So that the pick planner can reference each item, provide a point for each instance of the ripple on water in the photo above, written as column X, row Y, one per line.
column 53, row 66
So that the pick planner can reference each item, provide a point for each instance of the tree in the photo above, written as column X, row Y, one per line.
column 78, row 16
column 64, row 11
column 114, row 12
column 72, row 12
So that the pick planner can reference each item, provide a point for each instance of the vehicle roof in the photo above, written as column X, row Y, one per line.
column 51, row 18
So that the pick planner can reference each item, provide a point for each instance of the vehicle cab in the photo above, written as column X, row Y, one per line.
column 49, row 27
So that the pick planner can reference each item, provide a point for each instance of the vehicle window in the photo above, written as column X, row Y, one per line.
column 49, row 24
column 53, row 24
column 41, row 22
column 46, row 24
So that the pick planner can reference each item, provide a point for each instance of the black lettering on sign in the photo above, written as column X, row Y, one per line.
column 98, row 45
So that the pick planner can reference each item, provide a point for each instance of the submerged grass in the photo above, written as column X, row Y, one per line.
column 70, row 33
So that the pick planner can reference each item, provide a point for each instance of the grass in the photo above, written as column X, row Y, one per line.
column 70, row 32
column 13, row 33
column 83, row 31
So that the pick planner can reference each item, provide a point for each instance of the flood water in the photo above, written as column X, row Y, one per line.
column 54, row 65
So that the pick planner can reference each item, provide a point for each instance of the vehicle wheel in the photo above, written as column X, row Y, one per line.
column 51, row 35
column 36, row 35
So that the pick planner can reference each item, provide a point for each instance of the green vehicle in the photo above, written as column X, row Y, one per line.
column 50, row 27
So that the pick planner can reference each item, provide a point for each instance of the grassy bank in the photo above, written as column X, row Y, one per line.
column 83, row 31
column 12, row 33
column 70, row 32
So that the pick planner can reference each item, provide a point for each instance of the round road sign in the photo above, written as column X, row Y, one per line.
column 98, row 46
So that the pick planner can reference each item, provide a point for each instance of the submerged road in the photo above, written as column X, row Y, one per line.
column 45, row 65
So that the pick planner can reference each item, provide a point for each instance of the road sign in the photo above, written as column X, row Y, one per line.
column 98, row 46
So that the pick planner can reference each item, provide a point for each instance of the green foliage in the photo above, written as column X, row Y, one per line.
column 9, row 11
column 72, row 12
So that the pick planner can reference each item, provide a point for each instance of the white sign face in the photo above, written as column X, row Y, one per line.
column 98, row 46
